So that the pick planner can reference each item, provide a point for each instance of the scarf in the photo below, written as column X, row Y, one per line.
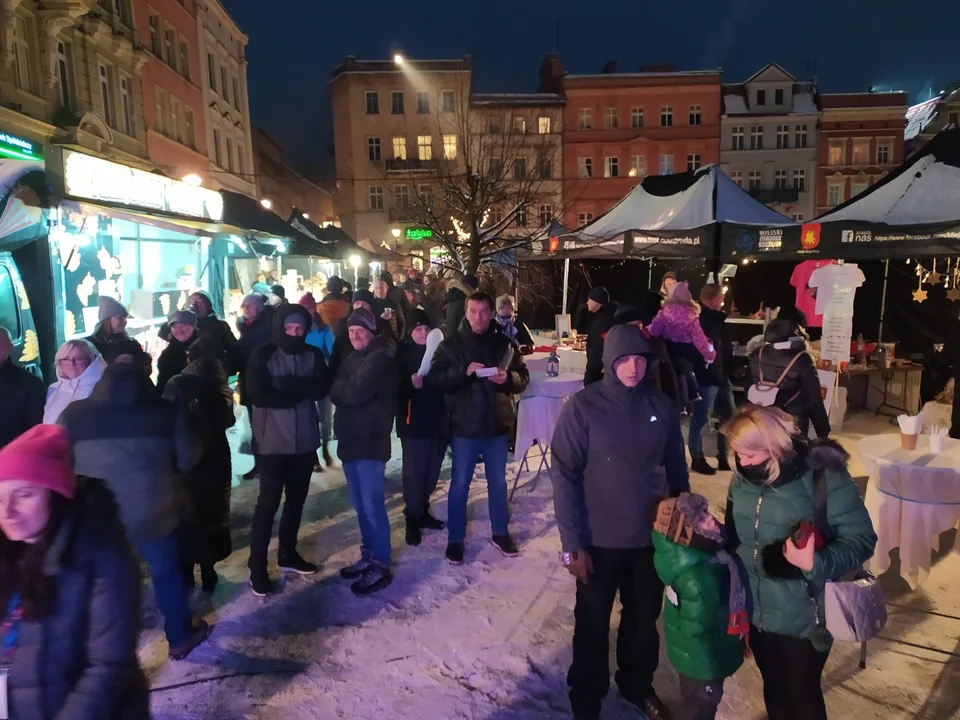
column 508, row 327
column 737, row 621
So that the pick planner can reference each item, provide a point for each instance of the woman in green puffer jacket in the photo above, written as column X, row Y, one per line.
column 770, row 495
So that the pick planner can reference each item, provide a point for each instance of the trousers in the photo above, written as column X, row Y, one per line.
column 713, row 399
column 367, row 485
column 422, row 461
column 466, row 452
column 700, row 699
column 280, row 475
column 162, row 556
column 791, row 668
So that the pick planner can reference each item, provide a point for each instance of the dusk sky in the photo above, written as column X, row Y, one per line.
column 850, row 46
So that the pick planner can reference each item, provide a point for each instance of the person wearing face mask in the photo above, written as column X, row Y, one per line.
column 771, row 493
column 110, row 337
column 617, row 452
column 511, row 325
column 255, row 329
column 183, row 331
column 286, row 378
column 69, row 590
column 21, row 394
column 79, row 368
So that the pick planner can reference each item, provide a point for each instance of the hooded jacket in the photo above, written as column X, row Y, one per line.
column 457, row 293
column 22, row 396
column 799, row 393
column 137, row 443
column 600, row 325
column 216, row 331
column 63, row 392
column 714, row 324
column 80, row 661
column 252, row 335
column 760, row 517
column 285, row 379
column 617, row 452
column 173, row 359
column 333, row 308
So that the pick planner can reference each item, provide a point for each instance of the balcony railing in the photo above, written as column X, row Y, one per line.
column 412, row 165
column 403, row 214
column 774, row 195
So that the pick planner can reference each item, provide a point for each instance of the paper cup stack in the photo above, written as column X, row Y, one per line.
column 910, row 427
column 938, row 437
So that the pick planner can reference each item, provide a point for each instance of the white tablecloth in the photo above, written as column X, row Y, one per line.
column 572, row 361
column 537, row 361
column 912, row 498
column 540, row 407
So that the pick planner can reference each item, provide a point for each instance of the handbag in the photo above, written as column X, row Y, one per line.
column 854, row 605
column 765, row 393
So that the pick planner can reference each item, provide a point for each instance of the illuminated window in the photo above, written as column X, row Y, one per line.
column 424, row 147
column 543, row 125
column 611, row 167
column 665, row 165
column 861, row 152
column 449, row 147
column 400, row 148
column 835, row 156
column 638, row 166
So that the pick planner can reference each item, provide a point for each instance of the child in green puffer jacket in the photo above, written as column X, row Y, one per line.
column 704, row 618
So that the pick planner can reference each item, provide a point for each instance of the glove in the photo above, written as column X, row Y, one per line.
column 579, row 564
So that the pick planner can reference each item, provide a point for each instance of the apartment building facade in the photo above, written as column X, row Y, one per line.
column 861, row 141
column 768, row 141
column 223, row 80
column 282, row 188
column 926, row 119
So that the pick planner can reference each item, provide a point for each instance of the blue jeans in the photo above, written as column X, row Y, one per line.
column 716, row 399
column 466, row 453
column 162, row 556
column 367, row 484
column 325, row 413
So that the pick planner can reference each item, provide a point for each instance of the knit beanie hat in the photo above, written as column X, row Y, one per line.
column 419, row 317
column 279, row 292
column 362, row 318
column 110, row 308
column 41, row 457
column 254, row 299
column 364, row 295
column 187, row 317
column 261, row 288
column 505, row 300
column 599, row 294
column 335, row 285
column 308, row 301
column 681, row 293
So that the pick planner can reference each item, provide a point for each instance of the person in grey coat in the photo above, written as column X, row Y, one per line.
column 617, row 452
column 285, row 380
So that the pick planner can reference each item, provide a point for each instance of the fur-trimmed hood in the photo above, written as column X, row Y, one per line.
column 459, row 284
column 828, row 455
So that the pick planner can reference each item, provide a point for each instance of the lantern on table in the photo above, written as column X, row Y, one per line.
column 553, row 364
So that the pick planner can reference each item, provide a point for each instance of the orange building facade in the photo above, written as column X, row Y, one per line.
column 173, row 108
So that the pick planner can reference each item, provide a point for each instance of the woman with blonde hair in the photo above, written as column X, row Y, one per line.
column 771, row 494
column 79, row 367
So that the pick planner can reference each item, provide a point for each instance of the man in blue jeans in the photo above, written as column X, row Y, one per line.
column 365, row 395
column 714, row 382
column 480, row 370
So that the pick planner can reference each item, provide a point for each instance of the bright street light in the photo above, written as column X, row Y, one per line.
column 355, row 263
column 267, row 203
column 192, row 179
column 306, row 215
column 396, row 232
column 398, row 59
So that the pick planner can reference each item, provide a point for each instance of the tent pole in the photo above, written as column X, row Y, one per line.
column 650, row 275
column 883, row 299
column 566, row 284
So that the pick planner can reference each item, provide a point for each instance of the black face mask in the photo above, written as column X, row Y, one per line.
column 290, row 344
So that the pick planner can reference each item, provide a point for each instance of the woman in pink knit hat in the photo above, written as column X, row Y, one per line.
column 69, row 590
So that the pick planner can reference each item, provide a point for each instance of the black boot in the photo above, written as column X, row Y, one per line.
column 209, row 578
column 413, row 530
column 701, row 466
column 253, row 474
column 722, row 464
column 429, row 522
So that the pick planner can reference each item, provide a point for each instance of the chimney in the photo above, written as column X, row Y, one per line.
column 551, row 75
column 610, row 68
column 663, row 68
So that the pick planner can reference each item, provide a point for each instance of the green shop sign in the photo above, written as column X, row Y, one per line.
column 418, row 233
column 17, row 148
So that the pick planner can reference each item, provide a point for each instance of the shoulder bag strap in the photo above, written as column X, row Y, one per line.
column 760, row 365
column 820, row 503
column 787, row 369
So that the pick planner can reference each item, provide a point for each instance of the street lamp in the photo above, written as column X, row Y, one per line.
column 355, row 264
column 306, row 216
column 396, row 233
column 398, row 59
column 192, row 179
column 267, row 203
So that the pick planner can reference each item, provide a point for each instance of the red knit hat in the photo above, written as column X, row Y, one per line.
column 308, row 301
column 41, row 456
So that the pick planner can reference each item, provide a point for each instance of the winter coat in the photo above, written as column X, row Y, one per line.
column 617, row 452
column 799, row 393
column 760, row 517
column 252, row 335
column 365, row 396
column 600, row 325
column 322, row 339
column 173, row 359
column 695, row 628
column 516, row 331
column 714, row 325
column 80, row 661
column 333, row 309
column 136, row 442
column 420, row 413
column 202, row 394
column 478, row 408
column 398, row 319
column 456, row 300
column 113, row 345
column 217, row 332
column 284, row 389
column 22, row 397
column 63, row 392
column 679, row 323
column 342, row 347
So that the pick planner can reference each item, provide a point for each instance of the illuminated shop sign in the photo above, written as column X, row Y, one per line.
column 85, row 176
column 418, row 233
column 17, row 148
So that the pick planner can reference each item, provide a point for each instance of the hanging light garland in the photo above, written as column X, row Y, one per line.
column 920, row 294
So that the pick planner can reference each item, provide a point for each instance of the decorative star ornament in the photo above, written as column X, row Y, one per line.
column 953, row 294
column 934, row 278
column 920, row 295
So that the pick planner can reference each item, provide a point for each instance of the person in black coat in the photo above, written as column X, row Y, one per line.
column 69, row 589
column 256, row 328
column 182, row 325
column 110, row 337
column 202, row 394
column 23, row 394
column 604, row 311
column 217, row 331
column 458, row 290
column 421, row 427
column 342, row 347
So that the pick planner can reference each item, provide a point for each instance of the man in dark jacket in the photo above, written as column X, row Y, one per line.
column 458, row 290
column 124, row 434
column 421, row 427
column 256, row 329
column 342, row 347
column 23, row 394
column 286, row 378
column 617, row 452
column 713, row 380
column 665, row 377
column 481, row 414
column 389, row 308
column 365, row 395
column 217, row 331
column 604, row 311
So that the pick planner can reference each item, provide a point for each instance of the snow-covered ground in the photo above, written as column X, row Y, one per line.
column 488, row 639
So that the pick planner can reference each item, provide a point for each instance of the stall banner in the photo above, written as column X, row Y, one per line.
column 696, row 242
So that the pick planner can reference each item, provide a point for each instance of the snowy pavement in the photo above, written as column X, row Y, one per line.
column 490, row 638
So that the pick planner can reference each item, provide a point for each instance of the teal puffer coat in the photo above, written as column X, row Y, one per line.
column 698, row 644
column 759, row 519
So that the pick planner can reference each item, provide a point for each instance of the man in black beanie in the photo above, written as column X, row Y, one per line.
column 604, row 310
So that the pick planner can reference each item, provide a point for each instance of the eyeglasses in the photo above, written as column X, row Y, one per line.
column 73, row 361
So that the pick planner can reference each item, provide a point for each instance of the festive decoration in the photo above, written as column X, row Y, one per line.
column 934, row 278
column 920, row 295
column 953, row 295
column 31, row 347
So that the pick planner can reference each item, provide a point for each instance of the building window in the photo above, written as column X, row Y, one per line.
column 666, row 116
column 638, row 166
column 755, row 179
column 585, row 167
column 797, row 217
column 636, row 118
column 373, row 149
column 665, row 166
column 496, row 216
column 778, row 96
column 189, row 129
column 545, row 166
column 175, row 129
column 519, row 168
column 64, row 74
column 396, row 102
column 447, row 99
column 546, row 215
column 372, row 100
column 493, row 126
column 756, row 137
column 585, row 119
column 696, row 115
column 835, row 156
column 224, row 88
column 737, row 177
column 449, row 147
column 738, row 135
column 106, row 95
column 237, row 102
column 376, row 197
column 401, row 197
column 693, row 162
column 584, row 218
column 239, row 159
column 780, row 179
column 520, row 125
column 883, row 152
column 400, row 148
column 495, row 168
column 522, row 217
column 857, row 188
column 783, row 137
column 425, row 195
column 212, row 71
column 424, row 147
column 834, row 194
column 423, row 102
column 611, row 167
column 611, row 118
column 800, row 180
column 953, row 118
column 21, row 54
column 126, row 105
column 761, row 98
column 543, row 125
column 156, row 44
column 229, row 154
column 216, row 147
column 184, row 59
column 861, row 152
column 162, row 111
column 170, row 47
column 800, row 136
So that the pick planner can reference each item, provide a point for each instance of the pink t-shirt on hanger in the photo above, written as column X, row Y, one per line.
column 806, row 295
